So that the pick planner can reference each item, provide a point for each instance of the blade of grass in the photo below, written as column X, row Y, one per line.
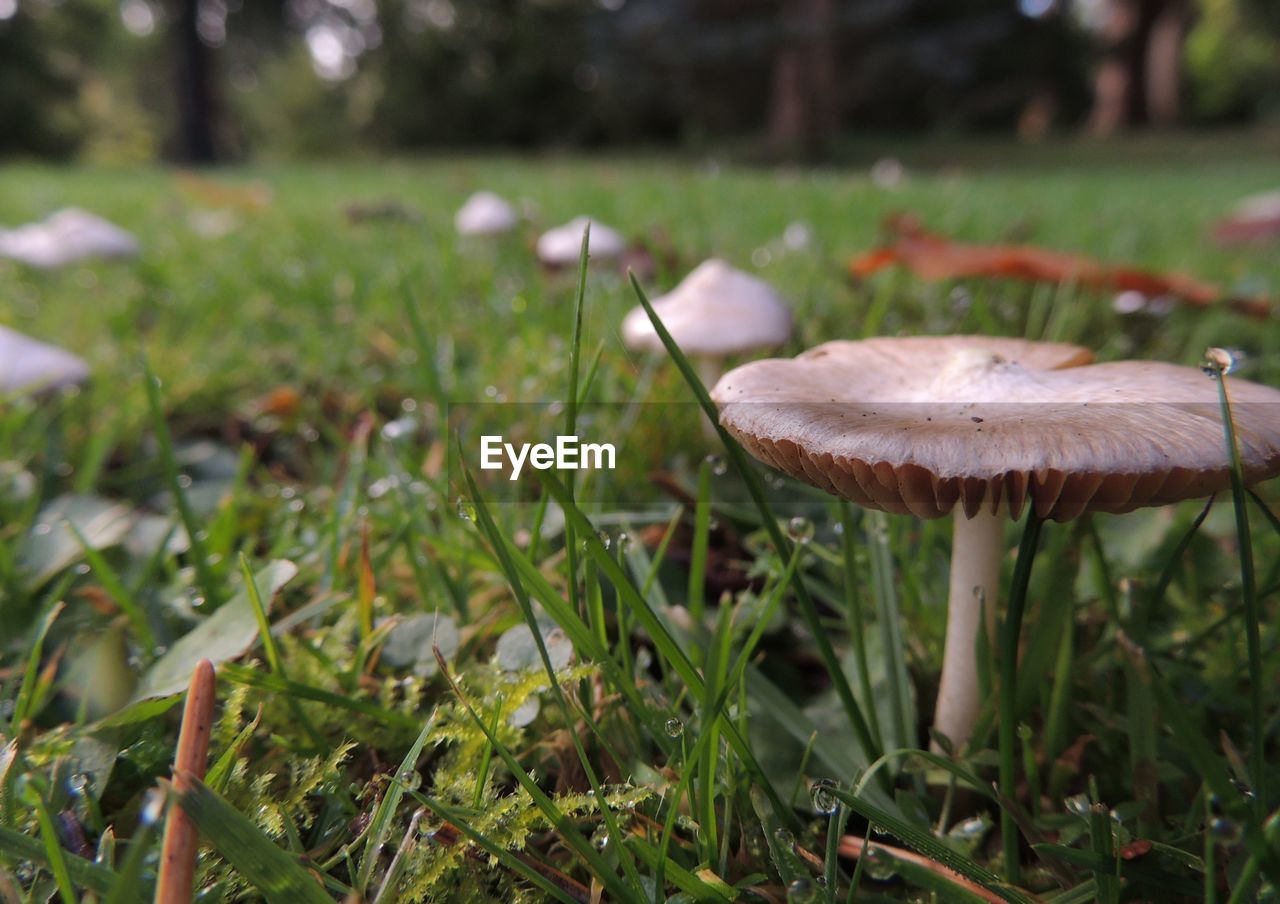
column 206, row 578
column 380, row 825
column 83, row 872
column 1010, row 632
column 263, row 864
column 924, row 843
column 752, row 480
column 30, row 676
column 1249, row 592
column 662, row 639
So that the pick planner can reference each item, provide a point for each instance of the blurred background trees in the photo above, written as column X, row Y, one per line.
column 198, row 80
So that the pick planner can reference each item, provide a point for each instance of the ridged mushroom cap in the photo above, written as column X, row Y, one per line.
column 560, row 246
column 922, row 424
column 484, row 213
column 716, row 310
column 28, row 365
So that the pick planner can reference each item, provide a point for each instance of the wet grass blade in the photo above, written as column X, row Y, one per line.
column 1249, row 592
column 272, row 871
column 88, row 875
column 208, row 581
column 380, row 825
column 924, row 843
column 742, row 465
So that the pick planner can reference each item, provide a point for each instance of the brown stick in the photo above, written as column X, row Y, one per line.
column 178, row 856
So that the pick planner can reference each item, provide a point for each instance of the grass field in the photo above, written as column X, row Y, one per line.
column 693, row 745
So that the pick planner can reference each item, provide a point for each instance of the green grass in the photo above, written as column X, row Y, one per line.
column 676, row 751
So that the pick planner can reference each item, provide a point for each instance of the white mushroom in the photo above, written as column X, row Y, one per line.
column 484, row 213
column 983, row 427
column 66, row 237
column 560, row 247
column 716, row 311
column 30, row 366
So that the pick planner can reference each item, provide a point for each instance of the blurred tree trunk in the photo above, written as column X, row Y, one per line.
column 195, row 139
column 803, row 110
column 1138, row 80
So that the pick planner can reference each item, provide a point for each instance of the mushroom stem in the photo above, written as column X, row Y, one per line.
column 975, row 582
column 709, row 370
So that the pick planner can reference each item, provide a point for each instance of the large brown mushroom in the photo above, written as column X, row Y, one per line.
column 985, row 427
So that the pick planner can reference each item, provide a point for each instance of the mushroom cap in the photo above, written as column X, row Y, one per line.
column 28, row 365
column 485, row 213
column 716, row 310
column 561, row 246
column 66, row 237
column 922, row 424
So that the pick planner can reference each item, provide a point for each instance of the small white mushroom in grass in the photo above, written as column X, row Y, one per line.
column 984, row 427
column 67, row 237
column 715, row 312
column 485, row 213
column 29, row 366
column 560, row 247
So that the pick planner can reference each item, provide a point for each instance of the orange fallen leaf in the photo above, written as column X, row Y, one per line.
column 935, row 257
column 251, row 197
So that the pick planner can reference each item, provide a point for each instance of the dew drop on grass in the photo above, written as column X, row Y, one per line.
column 718, row 465
column 623, row 541
column 800, row 891
column 824, row 798
column 675, row 727
column 1079, row 805
column 605, row 540
column 784, row 838
column 800, row 529
column 152, row 807
column 466, row 511
column 1224, row 831
column 410, row 778
column 78, row 782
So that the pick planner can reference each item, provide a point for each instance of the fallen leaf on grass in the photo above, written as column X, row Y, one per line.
column 1255, row 219
column 230, row 632
column 935, row 257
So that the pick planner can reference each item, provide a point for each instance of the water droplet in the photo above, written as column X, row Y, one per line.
column 184, row 481
column 623, row 541
column 159, row 650
column 675, row 727
column 980, row 595
column 466, row 511
column 800, row 529
column 42, row 528
column 78, row 782
column 82, row 568
column 1224, row 831
column 410, row 778
column 152, row 808
column 605, row 540
column 824, row 798
column 1079, row 805
column 800, row 891
column 784, row 838
column 718, row 465
column 1244, row 789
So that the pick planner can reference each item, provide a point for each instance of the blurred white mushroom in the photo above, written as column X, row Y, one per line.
column 716, row 311
column 559, row 247
column 66, row 237
column 484, row 213
column 888, row 172
column 28, row 365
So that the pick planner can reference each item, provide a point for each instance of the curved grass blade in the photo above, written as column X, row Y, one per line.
column 271, row 870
